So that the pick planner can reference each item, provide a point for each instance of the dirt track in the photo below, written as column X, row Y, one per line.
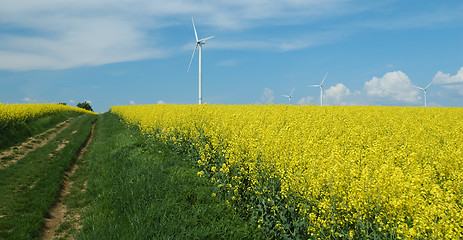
column 18, row 152
column 58, row 214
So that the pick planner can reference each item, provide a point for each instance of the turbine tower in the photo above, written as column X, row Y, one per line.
column 289, row 96
column 199, row 43
column 321, row 89
column 424, row 90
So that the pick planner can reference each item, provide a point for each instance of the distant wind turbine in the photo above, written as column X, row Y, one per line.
column 289, row 96
column 321, row 89
column 199, row 43
column 424, row 90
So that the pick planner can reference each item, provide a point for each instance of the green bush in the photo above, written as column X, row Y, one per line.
column 85, row 105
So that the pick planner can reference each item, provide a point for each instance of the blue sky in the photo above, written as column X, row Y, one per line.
column 121, row 52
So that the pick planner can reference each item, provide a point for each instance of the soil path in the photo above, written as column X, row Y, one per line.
column 58, row 212
column 16, row 153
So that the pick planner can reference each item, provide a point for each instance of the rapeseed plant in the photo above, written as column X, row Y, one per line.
column 335, row 172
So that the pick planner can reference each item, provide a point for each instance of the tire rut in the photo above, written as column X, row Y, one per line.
column 16, row 153
column 58, row 213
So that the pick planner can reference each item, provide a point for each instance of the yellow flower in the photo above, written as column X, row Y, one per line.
column 391, row 165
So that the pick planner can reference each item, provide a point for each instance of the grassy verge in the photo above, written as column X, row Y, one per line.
column 12, row 135
column 139, row 189
column 30, row 186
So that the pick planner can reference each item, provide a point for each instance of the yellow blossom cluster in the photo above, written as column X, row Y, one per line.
column 10, row 113
column 348, row 172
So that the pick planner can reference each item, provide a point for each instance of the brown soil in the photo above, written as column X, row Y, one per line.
column 58, row 214
column 62, row 145
column 18, row 152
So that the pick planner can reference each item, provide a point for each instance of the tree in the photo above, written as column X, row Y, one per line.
column 85, row 105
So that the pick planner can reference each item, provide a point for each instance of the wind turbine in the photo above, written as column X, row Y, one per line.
column 424, row 90
column 289, row 96
column 321, row 89
column 199, row 43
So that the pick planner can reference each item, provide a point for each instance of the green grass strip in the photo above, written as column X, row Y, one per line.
column 139, row 189
column 31, row 186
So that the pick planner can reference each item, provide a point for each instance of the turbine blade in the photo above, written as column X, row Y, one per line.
column 196, row 34
column 291, row 92
column 419, row 87
column 324, row 79
column 285, row 96
column 191, row 60
column 428, row 85
column 204, row 39
column 314, row 85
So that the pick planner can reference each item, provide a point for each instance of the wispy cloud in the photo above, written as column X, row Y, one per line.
column 267, row 96
column 277, row 43
column 89, row 42
column 53, row 34
column 411, row 19
column 305, row 100
column 228, row 62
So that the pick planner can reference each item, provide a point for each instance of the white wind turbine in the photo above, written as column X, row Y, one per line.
column 289, row 96
column 424, row 90
column 321, row 89
column 199, row 43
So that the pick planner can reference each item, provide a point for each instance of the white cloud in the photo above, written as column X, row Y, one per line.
column 71, row 101
column 132, row 102
column 305, row 100
column 267, row 96
column 337, row 95
column 89, row 42
column 446, row 78
column 26, row 99
column 161, row 102
column 54, row 34
column 74, row 33
column 395, row 85
column 88, row 101
column 453, row 83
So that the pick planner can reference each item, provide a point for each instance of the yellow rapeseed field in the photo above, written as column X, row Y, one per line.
column 339, row 172
column 10, row 113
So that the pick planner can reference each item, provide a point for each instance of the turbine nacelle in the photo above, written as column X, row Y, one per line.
column 289, row 96
column 203, row 41
column 199, row 42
